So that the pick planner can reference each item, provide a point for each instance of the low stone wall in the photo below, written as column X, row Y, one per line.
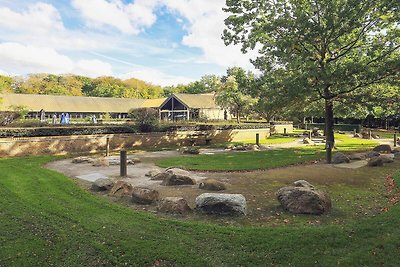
column 282, row 128
column 13, row 147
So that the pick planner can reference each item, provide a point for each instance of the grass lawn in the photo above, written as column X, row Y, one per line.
column 46, row 219
column 239, row 161
column 272, row 140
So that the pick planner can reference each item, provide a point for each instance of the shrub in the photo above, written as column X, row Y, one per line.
column 7, row 117
column 146, row 119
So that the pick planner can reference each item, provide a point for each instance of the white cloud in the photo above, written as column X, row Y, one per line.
column 39, row 18
column 156, row 77
column 41, row 25
column 22, row 59
column 206, row 24
column 127, row 18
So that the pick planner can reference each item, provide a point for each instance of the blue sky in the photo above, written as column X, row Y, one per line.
column 165, row 42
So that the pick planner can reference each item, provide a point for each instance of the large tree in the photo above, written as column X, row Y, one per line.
column 324, row 49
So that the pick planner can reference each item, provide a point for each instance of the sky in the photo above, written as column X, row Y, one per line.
column 165, row 42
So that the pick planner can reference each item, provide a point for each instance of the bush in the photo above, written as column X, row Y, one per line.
column 64, row 131
column 146, row 119
column 7, row 117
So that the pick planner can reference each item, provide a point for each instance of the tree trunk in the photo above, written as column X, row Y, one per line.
column 330, row 138
column 238, row 117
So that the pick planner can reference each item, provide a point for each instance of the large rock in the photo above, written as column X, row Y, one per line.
column 308, row 141
column 340, row 158
column 177, row 205
column 102, row 184
column 161, row 176
column 144, row 195
column 375, row 162
column 189, row 150
column 372, row 154
column 121, row 189
column 386, row 159
column 177, row 179
column 152, row 173
column 383, row 149
column 212, row 185
column 101, row 162
column 221, row 204
column 177, row 171
column 82, row 160
column 304, row 200
column 357, row 156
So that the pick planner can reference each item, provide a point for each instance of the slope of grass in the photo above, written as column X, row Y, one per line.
column 45, row 220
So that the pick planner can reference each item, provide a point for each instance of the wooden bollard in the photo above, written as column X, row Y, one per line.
column 395, row 139
column 108, row 147
column 257, row 139
column 123, row 163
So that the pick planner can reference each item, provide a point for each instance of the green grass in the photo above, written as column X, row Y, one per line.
column 243, row 160
column 45, row 220
column 272, row 140
column 240, row 161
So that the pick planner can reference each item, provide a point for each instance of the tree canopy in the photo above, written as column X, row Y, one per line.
column 325, row 49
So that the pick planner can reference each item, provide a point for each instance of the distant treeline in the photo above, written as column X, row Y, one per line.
column 105, row 86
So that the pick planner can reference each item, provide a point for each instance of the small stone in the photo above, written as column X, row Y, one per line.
column 101, row 162
column 82, row 160
column 303, row 183
column 212, row 185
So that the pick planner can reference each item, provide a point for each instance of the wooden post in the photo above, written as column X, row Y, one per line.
column 369, row 134
column 257, row 139
column 108, row 147
column 123, row 163
column 395, row 140
column 309, row 135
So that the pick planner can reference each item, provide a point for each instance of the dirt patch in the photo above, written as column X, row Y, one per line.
column 354, row 192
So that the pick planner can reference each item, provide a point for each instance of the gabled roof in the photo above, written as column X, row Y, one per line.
column 54, row 103
column 203, row 101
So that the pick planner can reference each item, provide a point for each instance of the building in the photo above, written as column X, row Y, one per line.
column 175, row 107
column 76, row 106
column 192, row 107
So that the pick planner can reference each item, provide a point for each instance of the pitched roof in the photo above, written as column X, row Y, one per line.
column 153, row 103
column 205, row 101
column 53, row 103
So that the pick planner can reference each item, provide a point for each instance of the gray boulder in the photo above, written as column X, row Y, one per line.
column 152, row 173
column 386, row 159
column 340, row 158
column 161, row 176
column 383, row 149
column 144, row 195
column 357, row 156
column 78, row 160
column 176, row 205
column 189, row 150
column 177, row 179
column 101, row 162
column 121, row 189
column 375, row 162
column 102, row 184
column 396, row 155
column 212, row 185
column 221, row 204
column 372, row 154
column 304, row 200
column 303, row 183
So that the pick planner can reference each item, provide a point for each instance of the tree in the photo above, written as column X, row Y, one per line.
column 231, row 98
column 325, row 49
column 6, row 84
column 146, row 119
